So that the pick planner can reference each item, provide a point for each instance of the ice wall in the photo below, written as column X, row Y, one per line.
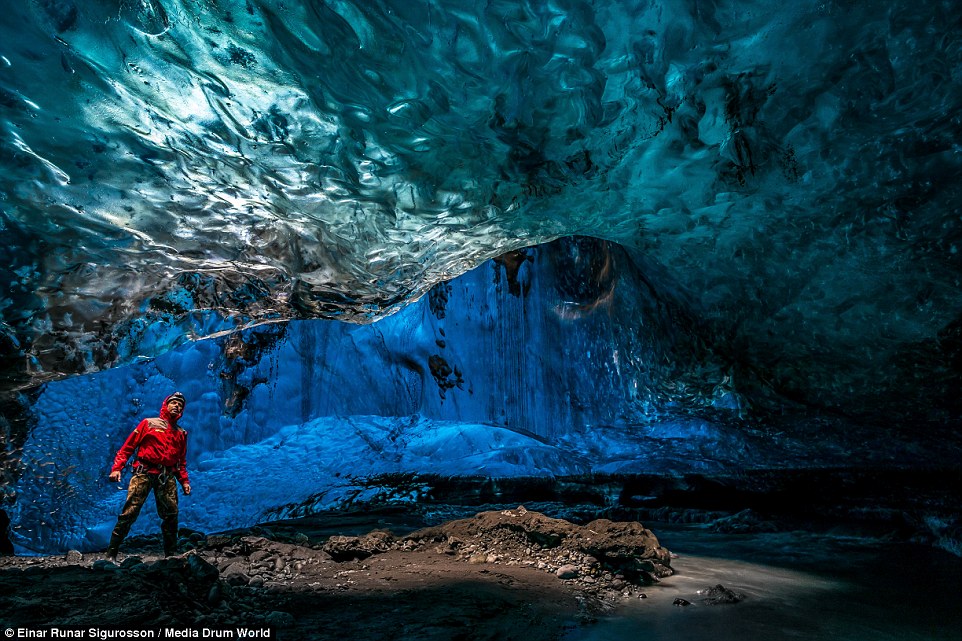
column 512, row 369
column 558, row 360
column 546, row 340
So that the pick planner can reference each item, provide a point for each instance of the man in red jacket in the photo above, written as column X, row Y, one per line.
column 161, row 461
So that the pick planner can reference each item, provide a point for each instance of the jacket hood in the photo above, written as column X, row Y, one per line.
column 164, row 414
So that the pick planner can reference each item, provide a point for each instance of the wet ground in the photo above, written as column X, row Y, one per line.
column 471, row 580
column 795, row 585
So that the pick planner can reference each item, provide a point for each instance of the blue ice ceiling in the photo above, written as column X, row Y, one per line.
column 790, row 171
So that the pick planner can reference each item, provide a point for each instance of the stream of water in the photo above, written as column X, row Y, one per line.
column 796, row 585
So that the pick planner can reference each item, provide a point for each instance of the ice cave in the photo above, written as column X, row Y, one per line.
column 695, row 264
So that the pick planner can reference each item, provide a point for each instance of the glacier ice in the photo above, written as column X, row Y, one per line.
column 174, row 169
column 539, row 379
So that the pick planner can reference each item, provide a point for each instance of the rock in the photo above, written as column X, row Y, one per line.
column 131, row 562
column 304, row 554
column 74, row 556
column 235, row 574
column 255, row 542
column 681, row 603
column 625, row 548
column 103, row 565
column 218, row 541
column 746, row 521
column 170, row 564
column 256, row 582
column 568, row 572
column 347, row 548
column 649, row 578
column 478, row 559
column 718, row 595
column 283, row 549
column 201, row 569
column 277, row 619
column 215, row 595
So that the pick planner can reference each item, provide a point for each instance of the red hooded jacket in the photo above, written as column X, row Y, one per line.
column 159, row 442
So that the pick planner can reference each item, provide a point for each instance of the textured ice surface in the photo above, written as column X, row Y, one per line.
column 484, row 376
column 494, row 374
column 175, row 168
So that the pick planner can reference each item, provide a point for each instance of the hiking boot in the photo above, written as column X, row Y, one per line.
column 170, row 543
column 113, row 548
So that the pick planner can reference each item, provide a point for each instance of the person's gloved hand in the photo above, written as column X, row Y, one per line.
column 114, row 476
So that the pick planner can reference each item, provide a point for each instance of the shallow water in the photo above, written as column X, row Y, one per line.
column 796, row 585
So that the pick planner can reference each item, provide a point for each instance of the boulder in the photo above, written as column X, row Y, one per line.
column 568, row 572
column 718, row 595
column 347, row 548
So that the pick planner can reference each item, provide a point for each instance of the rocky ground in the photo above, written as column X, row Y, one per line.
column 511, row 574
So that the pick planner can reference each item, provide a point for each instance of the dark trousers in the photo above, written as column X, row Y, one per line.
column 165, row 495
